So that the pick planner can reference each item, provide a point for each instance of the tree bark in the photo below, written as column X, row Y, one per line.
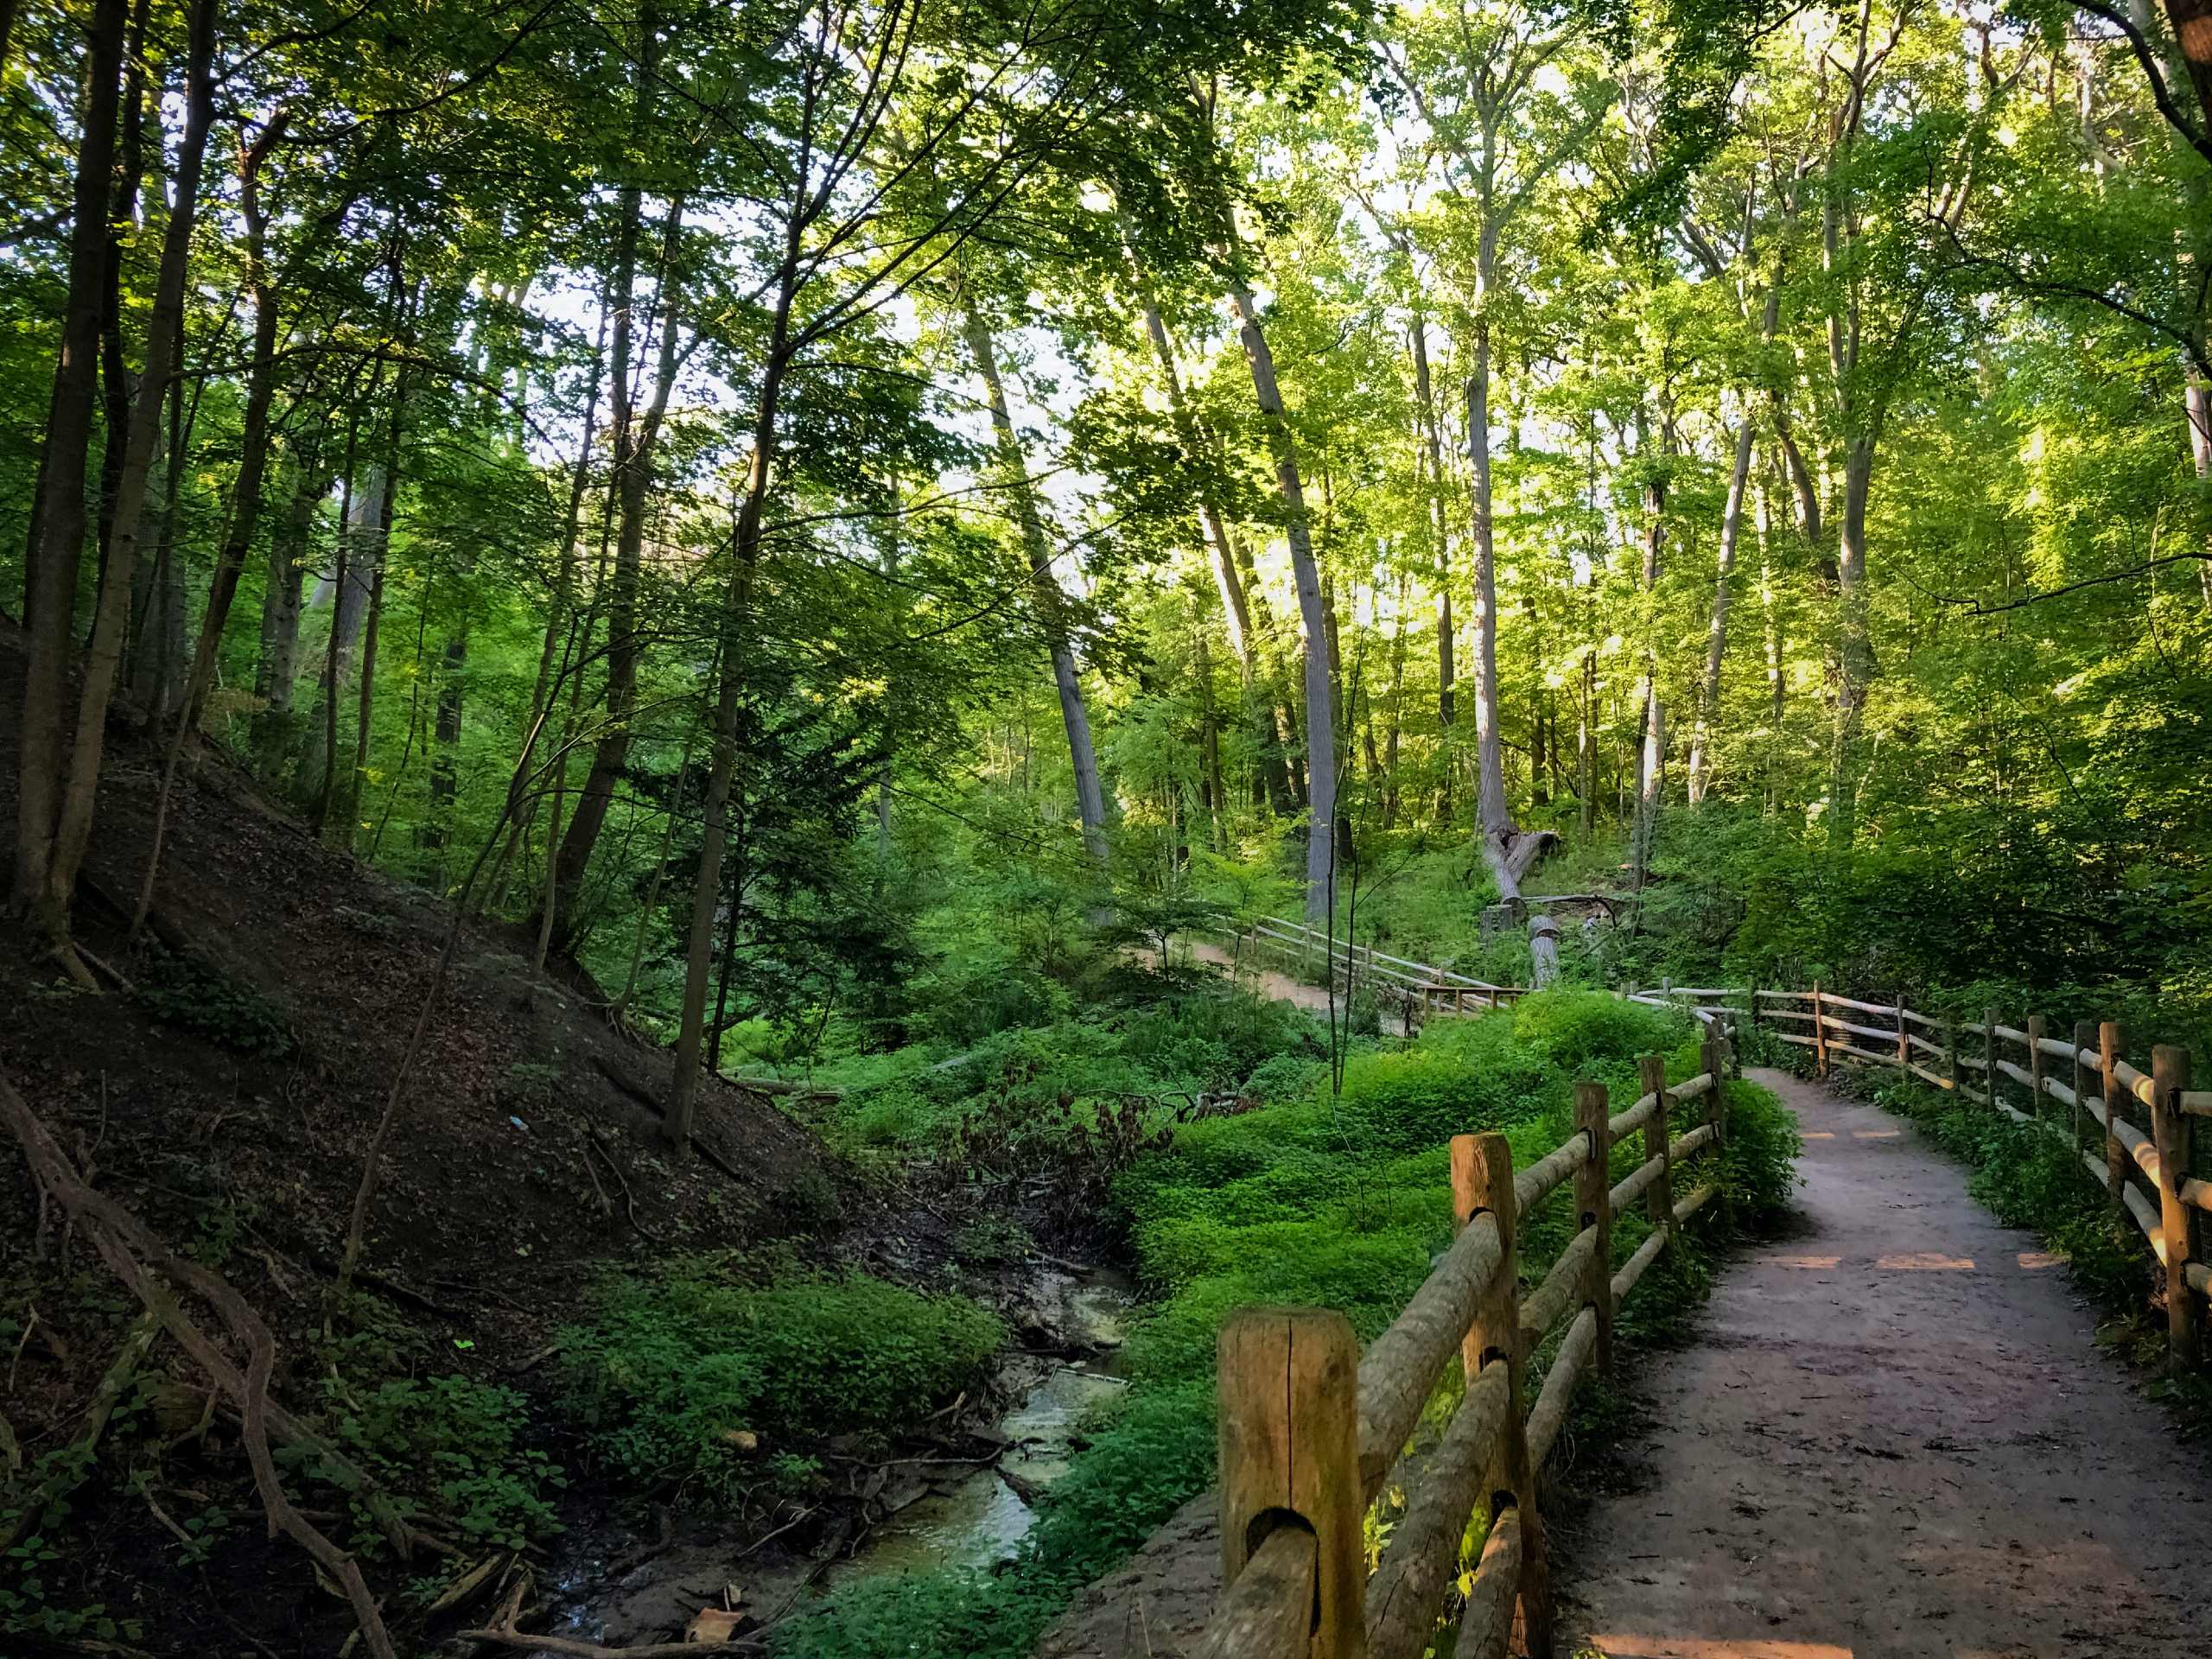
column 1089, row 796
column 1854, row 644
column 636, row 436
column 1312, row 614
column 139, row 443
column 1708, row 702
column 57, row 552
column 1432, row 436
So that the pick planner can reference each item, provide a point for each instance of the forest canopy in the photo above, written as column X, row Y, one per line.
column 811, row 513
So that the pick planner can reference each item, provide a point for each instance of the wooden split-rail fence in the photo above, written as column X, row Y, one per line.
column 2087, row 1073
column 1312, row 1429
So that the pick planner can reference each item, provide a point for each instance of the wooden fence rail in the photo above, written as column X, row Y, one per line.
column 2093, row 1082
column 1312, row 1429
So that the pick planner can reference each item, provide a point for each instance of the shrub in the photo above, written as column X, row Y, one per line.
column 456, row 1441
column 672, row 1368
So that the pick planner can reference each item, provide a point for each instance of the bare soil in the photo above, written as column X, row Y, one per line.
column 1892, row 1433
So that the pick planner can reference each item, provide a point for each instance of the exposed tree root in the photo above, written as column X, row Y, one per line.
column 139, row 1259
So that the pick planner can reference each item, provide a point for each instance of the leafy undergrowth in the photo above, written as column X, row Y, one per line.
column 1335, row 1201
column 708, row 1373
column 2026, row 1176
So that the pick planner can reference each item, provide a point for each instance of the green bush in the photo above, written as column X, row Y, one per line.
column 458, row 1443
column 670, row 1368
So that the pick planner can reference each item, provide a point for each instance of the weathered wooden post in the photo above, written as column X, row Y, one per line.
column 1659, row 1203
column 1905, row 1042
column 2170, row 1131
column 1715, row 1056
column 1289, row 1378
column 1989, row 1052
column 1820, row 1034
column 2085, row 1040
column 2108, row 1063
column 1951, row 1056
column 2035, row 1065
column 1482, row 1179
column 1593, row 1201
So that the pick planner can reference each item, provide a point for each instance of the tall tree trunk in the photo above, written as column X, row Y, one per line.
column 139, row 443
column 1708, row 700
column 1777, row 687
column 1391, row 794
column 1854, row 643
column 277, row 672
column 57, row 552
column 1433, row 435
column 1089, row 796
column 359, row 555
column 1312, row 614
column 1652, row 769
column 365, row 712
column 122, row 217
column 636, row 435
column 1493, row 812
column 1239, row 610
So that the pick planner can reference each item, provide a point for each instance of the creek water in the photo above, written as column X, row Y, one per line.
column 976, row 1518
column 931, row 1513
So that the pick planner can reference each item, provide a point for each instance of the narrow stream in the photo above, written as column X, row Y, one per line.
column 978, row 1517
column 934, row 1513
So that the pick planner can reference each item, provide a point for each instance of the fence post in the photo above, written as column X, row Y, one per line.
column 1482, row 1179
column 2108, row 1063
column 1989, row 1052
column 2085, row 1037
column 2035, row 1065
column 1289, row 1380
column 1593, row 1202
column 1951, row 1055
column 1751, row 1004
column 1904, row 1043
column 1658, row 1133
column 1820, row 1034
column 2170, row 1130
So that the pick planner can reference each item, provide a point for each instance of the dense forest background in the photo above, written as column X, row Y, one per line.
column 799, row 505
column 835, row 538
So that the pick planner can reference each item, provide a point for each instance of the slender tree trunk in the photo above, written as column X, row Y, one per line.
column 1313, row 618
column 1493, row 812
column 2200, row 448
column 123, row 216
column 1089, row 796
column 1433, row 435
column 1854, row 644
column 245, row 492
column 1708, row 702
column 371, row 625
column 635, row 440
column 277, row 674
column 57, row 551
column 139, row 443
column 1391, row 795
column 1241, row 611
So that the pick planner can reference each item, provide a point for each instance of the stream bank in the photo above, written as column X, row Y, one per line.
column 967, row 1500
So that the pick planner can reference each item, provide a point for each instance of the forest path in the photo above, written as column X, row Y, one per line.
column 1276, row 987
column 1891, row 1433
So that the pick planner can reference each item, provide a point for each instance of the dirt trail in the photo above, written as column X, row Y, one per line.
column 1892, row 1435
column 1278, row 987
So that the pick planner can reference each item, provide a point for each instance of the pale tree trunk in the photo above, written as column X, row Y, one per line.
column 1313, row 618
column 139, row 443
column 1854, row 652
column 357, row 556
column 365, row 711
column 2200, row 448
column 1716, row 638
column 1089, row 797
column 1244, row 611
column 1432, row 437
column 1776, row 685
column 58, row 545
column 275, row 674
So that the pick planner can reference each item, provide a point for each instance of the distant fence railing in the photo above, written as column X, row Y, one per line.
column 1312, row 1429
column 2104, row 1084
column 1329, row 960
